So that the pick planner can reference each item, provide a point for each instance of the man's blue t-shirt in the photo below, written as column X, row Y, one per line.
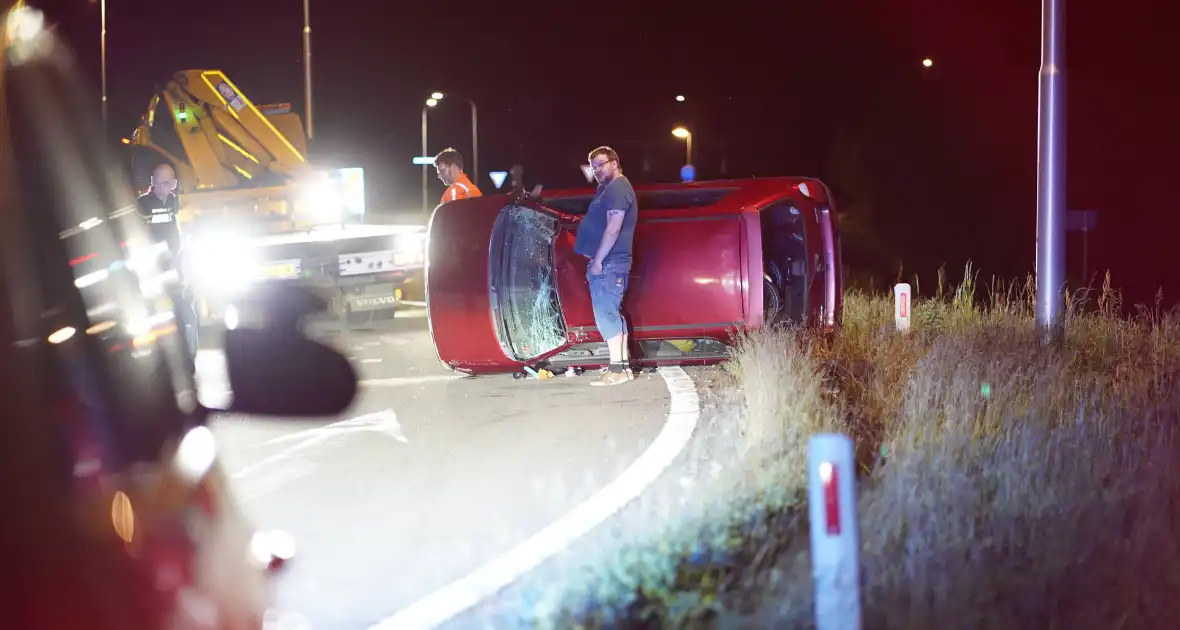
column 618, row 194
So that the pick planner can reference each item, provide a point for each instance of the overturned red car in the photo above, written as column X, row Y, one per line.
column 505, row 290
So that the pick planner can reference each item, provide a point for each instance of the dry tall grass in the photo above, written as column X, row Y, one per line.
column 1013, row 486
column 1004, row 484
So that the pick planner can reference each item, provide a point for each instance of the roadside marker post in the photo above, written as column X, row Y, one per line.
column 835, row 534
column 902, row 306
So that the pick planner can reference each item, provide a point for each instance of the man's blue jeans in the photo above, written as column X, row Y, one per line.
column 606, row 296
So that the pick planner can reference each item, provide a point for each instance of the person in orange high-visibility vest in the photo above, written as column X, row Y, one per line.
column 449, row 165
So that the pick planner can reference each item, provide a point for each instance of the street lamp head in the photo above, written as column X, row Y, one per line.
column 681, row 132
column 928, row 62
column 437, row 96
column 679, row 98
column 431, row 102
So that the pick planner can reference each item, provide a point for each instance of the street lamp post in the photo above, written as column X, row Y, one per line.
column 681, row 132
column 1051, row 172
column 430, row 102
column 307, row 63
column 102, row 11
column 438, row 96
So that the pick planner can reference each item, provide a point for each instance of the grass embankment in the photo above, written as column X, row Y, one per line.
column 1003, row 484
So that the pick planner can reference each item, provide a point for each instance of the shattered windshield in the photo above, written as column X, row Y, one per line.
column 526, row 286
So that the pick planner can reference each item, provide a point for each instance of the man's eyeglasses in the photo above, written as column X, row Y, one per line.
column 599, row 165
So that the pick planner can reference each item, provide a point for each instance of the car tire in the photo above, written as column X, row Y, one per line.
column 772, row 300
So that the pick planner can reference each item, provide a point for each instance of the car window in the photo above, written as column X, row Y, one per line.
column 525, row 285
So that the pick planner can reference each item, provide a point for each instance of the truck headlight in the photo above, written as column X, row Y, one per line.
column 409, row 249
column 222, row 265
column 319, row 203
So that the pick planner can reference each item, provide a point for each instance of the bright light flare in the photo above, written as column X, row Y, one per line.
column 196, row 454
column 222, row 263
column 431, row 102
column 437, row 96
column 927, row 62
column 62, row 335
column 679, row 98
column 681, row 132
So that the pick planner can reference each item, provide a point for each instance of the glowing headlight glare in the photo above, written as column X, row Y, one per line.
column 414, row 243
column 321, row 202
column 228, row 265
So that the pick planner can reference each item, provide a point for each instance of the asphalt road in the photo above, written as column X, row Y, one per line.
column 428, row 477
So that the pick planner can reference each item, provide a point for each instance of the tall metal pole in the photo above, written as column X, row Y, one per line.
column 307, row 63
column 103, row 45
column 474, row 146
column 424, row 166
column 1051, row 172
column 688, row 148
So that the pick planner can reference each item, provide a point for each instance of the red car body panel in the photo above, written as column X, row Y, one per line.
column 697, row 270
column 457, row 276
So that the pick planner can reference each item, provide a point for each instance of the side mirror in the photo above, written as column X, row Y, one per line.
column 279, row 372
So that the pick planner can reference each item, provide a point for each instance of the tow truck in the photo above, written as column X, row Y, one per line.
column 253, row 209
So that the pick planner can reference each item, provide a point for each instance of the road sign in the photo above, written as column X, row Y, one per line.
column 498, row 178
column 1081, row 220
column 423, row 160
column 588, row 172
column 687, row 172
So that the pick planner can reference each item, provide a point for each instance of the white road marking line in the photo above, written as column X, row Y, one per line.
column 381, row 422
column 410, row 380
column 459, row 596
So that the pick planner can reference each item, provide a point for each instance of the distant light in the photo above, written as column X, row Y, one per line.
column 437, row 96
column 928, row 62
column 126, row 141
column 431, row 102
column 24, row 24
column 681, row 132
column 62, row 335
column 680, row 98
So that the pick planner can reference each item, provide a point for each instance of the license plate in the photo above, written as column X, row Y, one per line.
column 405, row 259
column 280, row 270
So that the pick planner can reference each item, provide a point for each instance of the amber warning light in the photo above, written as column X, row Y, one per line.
column 903, row 305
column 835, row 534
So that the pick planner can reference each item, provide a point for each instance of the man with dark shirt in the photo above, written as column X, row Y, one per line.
column 604, row 237
column 158, row 207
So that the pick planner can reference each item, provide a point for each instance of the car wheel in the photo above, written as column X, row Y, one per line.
column 772, row 302
column 776, row 273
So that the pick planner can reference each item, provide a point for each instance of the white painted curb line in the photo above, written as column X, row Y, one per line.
column 457, row 597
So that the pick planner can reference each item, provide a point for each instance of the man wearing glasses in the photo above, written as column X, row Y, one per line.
column 605, row 236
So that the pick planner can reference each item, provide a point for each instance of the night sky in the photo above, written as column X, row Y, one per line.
column 939, row 163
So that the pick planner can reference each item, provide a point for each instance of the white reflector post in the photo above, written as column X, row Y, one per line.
column 902, row 306
column 835, row 537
